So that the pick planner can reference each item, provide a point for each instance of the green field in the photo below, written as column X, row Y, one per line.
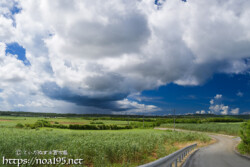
column 96, row 147
column 223, row 128
column 9, row 121
column 123, row 147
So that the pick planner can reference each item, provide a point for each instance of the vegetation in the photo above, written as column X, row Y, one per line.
column 224, row 128
column 107, row 140
column 224, row 120
column 96, row 122
column 98, row 127
column 19, row 125
column 244, row 146
column 98, row 148
column 44, row 123
column 116, row 117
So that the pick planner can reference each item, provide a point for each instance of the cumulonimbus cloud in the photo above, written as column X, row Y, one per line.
column 102, row 49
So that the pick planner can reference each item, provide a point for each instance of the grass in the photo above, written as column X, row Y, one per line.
column 10, row 121
column 243, row 149
column 223, row 128
column 98, row 148
column 244, row 146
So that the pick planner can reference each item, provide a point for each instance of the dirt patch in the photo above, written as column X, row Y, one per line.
column 182, row 145
column 199, row 144
column 67, row 123
column 4, row 120
column 212, row 141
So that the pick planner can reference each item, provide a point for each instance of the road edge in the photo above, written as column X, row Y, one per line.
column 188, row 158
column 186, row 162
column 238, row 153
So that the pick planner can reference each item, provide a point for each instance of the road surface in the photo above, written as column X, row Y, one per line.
column 220, row 154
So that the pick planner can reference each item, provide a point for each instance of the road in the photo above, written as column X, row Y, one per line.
column 220, row 154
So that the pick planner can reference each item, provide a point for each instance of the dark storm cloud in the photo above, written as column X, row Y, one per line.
column 53, row 91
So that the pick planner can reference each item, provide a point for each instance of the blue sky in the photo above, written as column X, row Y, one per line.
column 188, row 99
column 16, row 49
column 125, row 57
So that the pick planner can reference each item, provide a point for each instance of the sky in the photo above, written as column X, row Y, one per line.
column 125, row 56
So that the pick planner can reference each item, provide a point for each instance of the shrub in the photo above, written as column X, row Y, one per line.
column 98, row 127
column 60, row 126
column 42, row 123
column 245, row 137
column 96, row 122
column 19, row 125
column 225, row 120
column 31, row 126
column 38, row 124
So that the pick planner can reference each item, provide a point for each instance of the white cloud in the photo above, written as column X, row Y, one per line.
column 203, row 112
column 100, row 48
column 218, row 96
column 216, row 107
column 235, row 111
column 212, row 101
column 219, row 109
column 137, row 108
column 240, row 94
column 246, row 113
column 224, row 110
column 6, row 29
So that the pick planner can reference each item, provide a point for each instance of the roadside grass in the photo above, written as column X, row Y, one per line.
column 244, row 146
column 222, row 128
column 243, row 149
column 98, row 148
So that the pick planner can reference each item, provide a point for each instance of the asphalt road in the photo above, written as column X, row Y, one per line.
column 220, row 154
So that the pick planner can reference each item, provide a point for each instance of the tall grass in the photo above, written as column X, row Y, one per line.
column 98, row 148
column 223, row 128
column 244, row 146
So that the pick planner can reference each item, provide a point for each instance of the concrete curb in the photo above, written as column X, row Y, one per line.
column 188, row 158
